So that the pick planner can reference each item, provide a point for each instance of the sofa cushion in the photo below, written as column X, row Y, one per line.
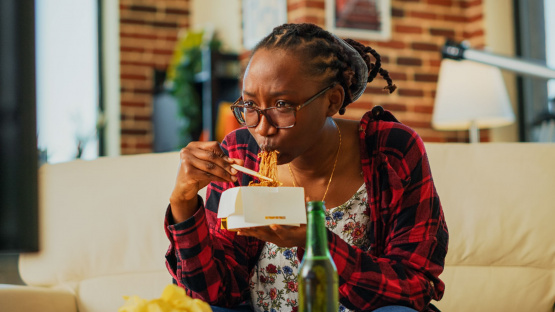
column 499, row 205
column 14, row 298
column 106, row 293
column 101, row 218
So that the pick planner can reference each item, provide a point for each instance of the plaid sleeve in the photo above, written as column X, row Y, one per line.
column 210, row 263
column 411, row 234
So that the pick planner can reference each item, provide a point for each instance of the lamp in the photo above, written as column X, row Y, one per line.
column 470, row 96
column 459, row 51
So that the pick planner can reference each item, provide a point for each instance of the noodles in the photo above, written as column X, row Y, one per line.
column 268, row 167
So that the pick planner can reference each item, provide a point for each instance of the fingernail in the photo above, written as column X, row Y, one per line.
column 234, row 178
column 233, row 171
column 273, row 226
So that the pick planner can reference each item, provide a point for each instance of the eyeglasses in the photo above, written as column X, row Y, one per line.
column 282, row 115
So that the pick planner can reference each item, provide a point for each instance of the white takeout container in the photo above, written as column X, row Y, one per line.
column 248, row 206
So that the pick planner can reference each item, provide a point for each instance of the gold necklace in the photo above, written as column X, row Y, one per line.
column 334, row 164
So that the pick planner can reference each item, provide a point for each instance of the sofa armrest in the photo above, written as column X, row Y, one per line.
column 15, row 298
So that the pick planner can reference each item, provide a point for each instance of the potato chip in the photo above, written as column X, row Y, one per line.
column 173, row 299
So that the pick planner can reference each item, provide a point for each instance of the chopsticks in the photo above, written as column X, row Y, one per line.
column 250, row 172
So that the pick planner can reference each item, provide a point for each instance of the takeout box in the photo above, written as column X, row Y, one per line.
column 249, row 206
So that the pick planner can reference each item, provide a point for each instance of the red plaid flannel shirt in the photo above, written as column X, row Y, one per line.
column 408, row 241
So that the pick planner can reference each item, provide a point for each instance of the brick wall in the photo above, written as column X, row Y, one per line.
column 148, row 34
column 149, row 30
column 412, row 56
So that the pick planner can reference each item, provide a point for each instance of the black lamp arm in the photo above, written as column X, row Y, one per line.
column 459, row 51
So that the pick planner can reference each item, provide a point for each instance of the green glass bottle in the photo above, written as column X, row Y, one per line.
column 318, row 280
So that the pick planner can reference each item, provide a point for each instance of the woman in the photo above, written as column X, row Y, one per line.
column 387, row 233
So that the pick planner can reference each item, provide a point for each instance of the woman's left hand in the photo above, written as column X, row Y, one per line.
column 281, row 235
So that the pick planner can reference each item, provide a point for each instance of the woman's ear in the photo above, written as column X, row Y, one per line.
column 335, row 96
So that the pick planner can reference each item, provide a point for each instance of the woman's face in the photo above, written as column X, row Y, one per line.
column 277, row 75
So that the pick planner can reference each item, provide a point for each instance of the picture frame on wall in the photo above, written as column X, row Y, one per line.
column 359, row 19
column 259, row 19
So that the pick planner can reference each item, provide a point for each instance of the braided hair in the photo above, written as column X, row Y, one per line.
column 327, row 56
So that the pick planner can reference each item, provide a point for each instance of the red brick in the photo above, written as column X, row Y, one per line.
column 423, row 15
column 176, row 11
column 168, row 37
column 163, row 24
column 183, row 24
column 450, row 33
column 138, row 35
column 446, row 3
column 435, row 63
column 396, row 12
column 469, row 4
column 132, row 21
column 408, row 29
column 142, row 118
column 392, row 44
column 306, row 4
column 423, row 109
column 142, row 8
column 375, row 90
column 132, row 49
column 137, row 90
column 148, row 91
column 410, row 92
column 455, row 18
column 409, row 61
column 395, row 107
column 133, row 104
column 426, row 77
column 422, row 46
column 134, row 132
column 418, row 124
column 398, row 76
column 137, row 63
column 157, row 24
column 133, row 77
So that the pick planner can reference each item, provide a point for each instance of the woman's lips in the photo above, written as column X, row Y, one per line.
column 267, row 146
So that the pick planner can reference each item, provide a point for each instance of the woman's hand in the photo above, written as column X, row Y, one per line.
column 200, row 164
column 281, row 235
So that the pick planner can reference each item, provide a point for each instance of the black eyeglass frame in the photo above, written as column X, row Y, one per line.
column 263, row 111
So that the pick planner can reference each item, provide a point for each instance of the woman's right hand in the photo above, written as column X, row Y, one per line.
column 200, row 163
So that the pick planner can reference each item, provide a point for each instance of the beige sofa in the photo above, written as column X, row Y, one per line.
column 102, row 235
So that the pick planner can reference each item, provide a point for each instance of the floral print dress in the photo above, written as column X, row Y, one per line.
column 274, row 284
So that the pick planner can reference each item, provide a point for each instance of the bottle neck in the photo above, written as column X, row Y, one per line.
column 316, row 235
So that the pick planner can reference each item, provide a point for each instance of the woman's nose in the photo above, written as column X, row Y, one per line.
column 264, row 127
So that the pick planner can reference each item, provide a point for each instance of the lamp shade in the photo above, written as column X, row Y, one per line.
column 470, row 94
